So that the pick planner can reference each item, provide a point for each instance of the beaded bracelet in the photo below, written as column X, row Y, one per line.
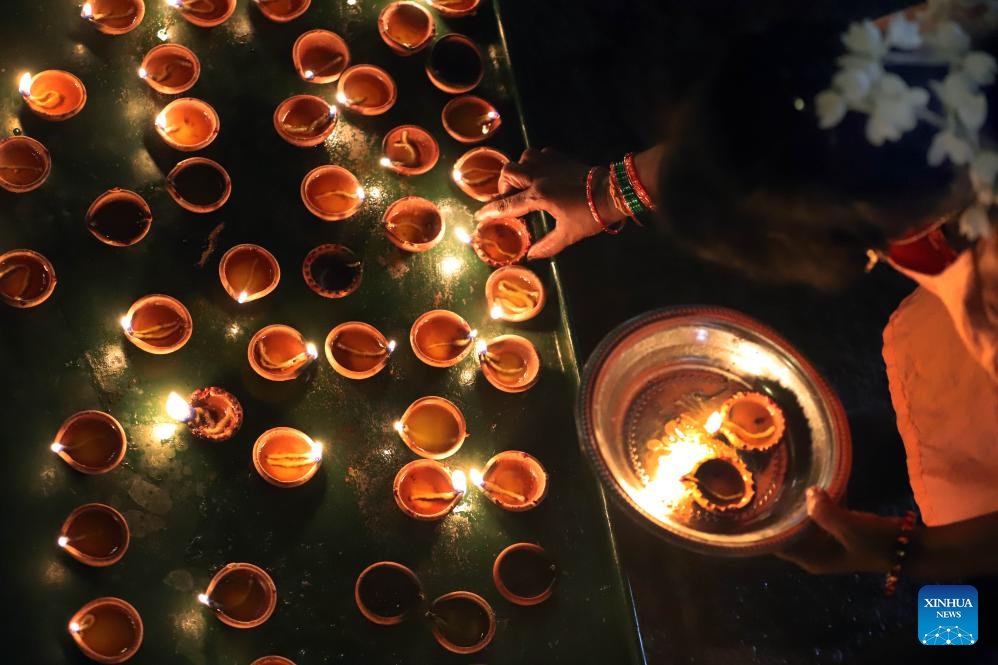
column 619, row 202
column 611, row 229
column 900, row 552
column 641, row 212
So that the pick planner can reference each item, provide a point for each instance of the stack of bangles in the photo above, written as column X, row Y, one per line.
column 908, row 523
column 628, row 194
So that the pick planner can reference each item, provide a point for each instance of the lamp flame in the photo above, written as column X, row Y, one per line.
column 63, row 541
column 308, row 74
column 385, row 162
column 361, row 194
column 312, row 352
column 459, row 480
column 88, row 11
column 473, row 334
column 496, row 311
column 24, row 86
column 333, row 110
column 164, row 431
column 316, row 451
column 683, row 454
column 450, row 265
column 204, row 599
column 713, row 423
column 462, row 235
column 75, row 627
column 481, row 347
column 163, row 34
column 57, row 447
column 143, row 73
column 391, row 346
column 457, row 175
column 176, row 4
column 476, row 477
column 178, row 408
column 243, row 297
column 342, row 98
column 126, row 323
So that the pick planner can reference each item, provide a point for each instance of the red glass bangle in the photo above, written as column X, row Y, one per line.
column 639, row 188
column 611, row 229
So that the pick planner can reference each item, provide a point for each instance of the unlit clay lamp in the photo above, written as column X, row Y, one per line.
column 119, row 218
column 53, row 94
column 27, row 278
column 509, row 362
column 454, row 8
column 158, row 324
column 432, row 427
column 414, row 224
column 462, row 622
column 320, row 56
column 199, row 184
column 241, row 595
column 285, row 457
column 721, row 483
column 248, row 272
column 95, row 534
column 92, row 442
column 409, row 150
column 426, row 490
column 407, row 27
column 512, row 480
column 332, row 271
column 114, row 17
column 524, row 574
column 441, row 338
column 332, row 193
column 204, row 13
column 476, row 173
column 283, row 11
column 280, row 353
column 24, row 164
column 514, row 294
column 470, row 119
column 210, row 413
column 455, row 64
column 357, row 350
column 387, row 593
column 752, row 421
column 107, row 630
column 187, row 124
column 170, row 69
column 273, row 660
column 305, row 120
column 367, row 90
column 501, row 241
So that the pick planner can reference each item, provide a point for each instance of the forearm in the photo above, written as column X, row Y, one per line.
column 962, row 549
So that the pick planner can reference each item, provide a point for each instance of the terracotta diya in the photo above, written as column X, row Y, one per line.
column 280, row 353
column 470, row 119
column 210, row 413
column 119, row 218
column 357, row 350
column 407, row 27
column 332, row 271
column 273, row 660
column 53, row 94
column 752, row 421
column 509, row 362
column 332, row 193
column 433, row 428
column 199, row 184
column 107, row 630
column 502, row 241
column 170, row 69
column 282, row 11
column 285, row 457
column 114, row 17
column 462, row 622
column 188, row 124
column 387, row 593
column 514, row 294
column 409, row 150
column 524, row 574
column 455, row 64
column 204, row 13
column 24, row 164
column 27, row 278
column 241, row 595
column 414, row 224
column 95, row 534
column 720, row 483
column 158, row 324
column 367, row 90
column 320, row 56
column 441, row 338
column 476, row 173
column 305, row 120
column 454, row 8
column 426, row 490
column 248, row 272
column 512, row 480
column 91, row 442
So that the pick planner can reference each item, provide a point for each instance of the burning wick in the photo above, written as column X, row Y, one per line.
column 461, row 341
column 205, row 600
column 88, row 13
column 458, row 480
column 488, row 121
column 500, row 363
column 383, row 349
column 409, row 150
column 161, row 123
column 342, row 98
column 334, row 62
column 85, row 622
column 166, row 72
column 242, row 297
column 402, row 428
column 308, row 355
column 193, row 6
column 478, row 480
column 294, row 460
column 46, row 100
column 157, row 332
column 316, row 126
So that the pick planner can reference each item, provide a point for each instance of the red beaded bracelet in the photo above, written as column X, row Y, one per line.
column 900, row 552
column 607, row 228
column 639, row 188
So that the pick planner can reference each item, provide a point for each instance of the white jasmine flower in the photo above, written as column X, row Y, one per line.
column 974, row 222
column 959, row 94
column 869, row 66
column 949, row 38
column 983, row 171
column 947, row 144
column 864, row 38
column 853, row 84
column 830, row 108
column 980, row 67
column 902, row 33
column 895, row 109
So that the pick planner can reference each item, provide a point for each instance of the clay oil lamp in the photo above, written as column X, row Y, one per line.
column 119, row 218
column 476, row 173
column 95, row 534
column 204, row 13
column 455, row 64
column 407, row 27
column 332, row 193
column 248, row 272
column 210, row 413
column 512, row 480
column 53, row 94
column 92, row 442
column 279, row 353
column 427, row 491
column 107, row 630
column 524, row 574
column 470, row 119
column 387, row 593
column 514, row 294
column 24, row 164
column 332, row 271
column 273, row 660
column 462, row 622
column 433, row 428
column 414, row 224
column 199, row 184
column 751, row 421
column 114, row 17
column 283, row 11
column 187, row 124
column 357, row 350
column 454, row 8
column 241, row 595
column 170, row 69
column 720, row 483
column 502, row 241
column 285, row 457
column 367, row 90
column 409, row 150
column 509, row 362
column 441, row 338
column 320, row 56
column 305, row 120
column 27, row 278
column 158, row 324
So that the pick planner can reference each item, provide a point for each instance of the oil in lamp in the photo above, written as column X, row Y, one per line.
column 95, row 534
column 320, row 56
column 107, row 630
column 92, row 442
column 409, row 150
column 426, row 490
column 387, row 593
column 119, row 218
column 332, row 271
column 187, row 124
column 432, row 427
column 53, row 94
column 455, row 64
column 24, row 164
column 476, row 173
column 414, row 224
column 406, row 27
column 751, row 421
column 305, row 120
column 441, row 338
column 367, row 90
column 204, row 13
column 27, row 278
column 524, row 574
column 248, row 272
column 470, row 119
column 199, row 184
column 114, row 17
column 462, row 622
column 170, row 69
column 241, row 595
column 210, row 413
column 158, row 324
column 512, row 480
column 502, row 241
column 286, row 457
column 357, row 350
column 509, row 362
column 280, row 353
column 514, row 294
column 332, row 193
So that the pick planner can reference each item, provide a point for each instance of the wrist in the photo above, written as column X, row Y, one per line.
column 603, row 198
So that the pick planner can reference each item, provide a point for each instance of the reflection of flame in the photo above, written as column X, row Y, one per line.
column 450, row 265
column 713, row 423
column 477, row 479
column 25, row 84
column 460, row 481
column 680, row 458
column 164, row 431
column 178, row 408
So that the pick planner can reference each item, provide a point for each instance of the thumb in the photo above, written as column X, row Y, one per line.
column 830, row 516
column 549, row 245
column 515, row 205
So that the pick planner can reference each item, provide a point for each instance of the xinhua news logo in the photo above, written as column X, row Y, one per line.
column 947, row 615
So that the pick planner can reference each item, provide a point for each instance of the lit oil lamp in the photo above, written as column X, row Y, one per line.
column 514, row 294
column 332, row 193
column 273, row 660
column 204, row 13
column 387, row 593
column 24, row 164
column 305, row 120
column 454, row 8
column 407, row 27
column 27, row 278
column 199, row 184
column 502, row 241
column 158, row 324
column 433, row 428
column 53, row 94
column 470, row 119
column 455, row 64
column 92, row 442
column 248, row 272
column 720, row 483
column 279, row 353
column 114, row 17
column 409, row 150
column 367, row 90
column 320, row 56
column 210, row 413
column 441, row 338
column 524, row 574
column 512, row 480
column 283, row 11
column 357, row 350
column 462, row 622
column 414, row 224
column 95, row 534
column 285, row 457
column 170, row 69
column 509, row 362
column 476, row 173
column 332, row 271
column 751, row 421
column 426, row 490
column 187, row 124
column 119, row 218
column 241, row 595
column 107, row 630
